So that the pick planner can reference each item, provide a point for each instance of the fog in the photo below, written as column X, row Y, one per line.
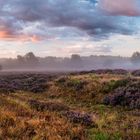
column 30, row 62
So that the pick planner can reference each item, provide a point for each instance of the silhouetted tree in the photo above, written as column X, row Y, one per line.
column 136, row 57
column 31, row 59
column 20, row 59
column 76, row 61
column 0, row 67
column 75, row 57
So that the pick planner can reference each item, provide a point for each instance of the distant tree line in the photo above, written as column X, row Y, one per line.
column 75, row 62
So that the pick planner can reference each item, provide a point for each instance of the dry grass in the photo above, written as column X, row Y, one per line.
column 20, row 121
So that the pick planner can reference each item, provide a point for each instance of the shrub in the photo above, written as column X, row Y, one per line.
column 110, row 71
column 136, row 73
column 42, row 106
column 112, row 85
column 74, row 84
column 127, row 96
column 27, row 82
column 77, row 117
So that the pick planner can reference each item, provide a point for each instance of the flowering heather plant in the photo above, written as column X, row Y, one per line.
column 26, row 82
column 77, row 117
column 50, row 106
column 128, row 96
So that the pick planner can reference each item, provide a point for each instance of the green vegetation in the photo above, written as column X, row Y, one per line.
column 111, row 85
column 97, row 135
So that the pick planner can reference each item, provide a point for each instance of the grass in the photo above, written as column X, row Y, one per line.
column 98, row 135
column 18, row 120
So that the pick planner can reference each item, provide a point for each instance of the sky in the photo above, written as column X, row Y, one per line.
column 64, row 27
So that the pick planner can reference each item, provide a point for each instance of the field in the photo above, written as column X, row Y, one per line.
column 96, row 105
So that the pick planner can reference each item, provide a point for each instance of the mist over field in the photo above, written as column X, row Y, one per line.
column 30, row 62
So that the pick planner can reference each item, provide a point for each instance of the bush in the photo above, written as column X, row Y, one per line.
column 112, row 85
column 27, row 82
column 77, row 117
column 127, row 96
column 136, row 73
column 74, row 84
column 110, row 71
column 42, row 106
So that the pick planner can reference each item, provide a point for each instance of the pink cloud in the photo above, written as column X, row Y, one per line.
column 4, row 35
column 120, row 7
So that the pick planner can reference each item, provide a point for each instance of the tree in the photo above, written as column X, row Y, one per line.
column 136, row 57
column 76, row 61
column 0, row 67
column 31, row 59
column 20, row 59
column 75, row 57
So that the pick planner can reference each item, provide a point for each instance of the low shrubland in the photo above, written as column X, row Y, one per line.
column 25, row 82
column 87, row 106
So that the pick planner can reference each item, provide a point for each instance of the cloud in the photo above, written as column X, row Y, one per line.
column 16, row 16
column 120, row 7
column 82, row 47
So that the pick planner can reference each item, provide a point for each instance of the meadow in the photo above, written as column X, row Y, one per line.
column 95, row 105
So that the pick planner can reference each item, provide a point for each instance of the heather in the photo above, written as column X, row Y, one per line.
column 101, row 105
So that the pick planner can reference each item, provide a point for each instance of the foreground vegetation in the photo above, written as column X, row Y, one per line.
column 82, row 106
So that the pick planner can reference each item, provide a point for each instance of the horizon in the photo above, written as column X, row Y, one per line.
column 102, row 55
column 51, row 28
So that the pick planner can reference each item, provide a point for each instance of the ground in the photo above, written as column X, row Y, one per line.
column 68, row 107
